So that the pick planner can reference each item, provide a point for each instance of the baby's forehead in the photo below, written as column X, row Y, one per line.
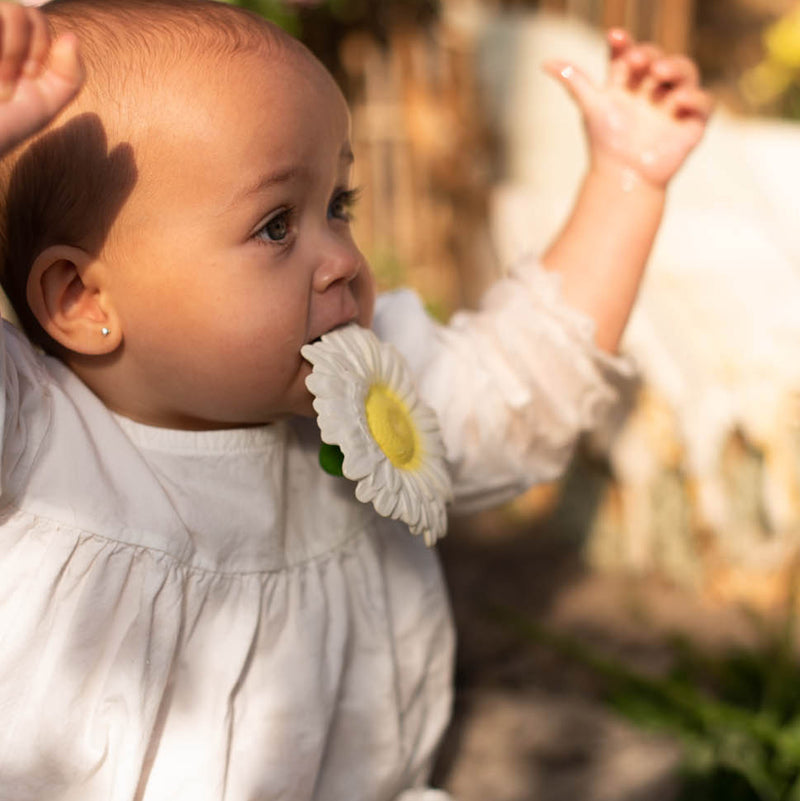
column 144, row 55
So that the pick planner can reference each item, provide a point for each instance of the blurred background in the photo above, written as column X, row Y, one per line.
column 628, row 633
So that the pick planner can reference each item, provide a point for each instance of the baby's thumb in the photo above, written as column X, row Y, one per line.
column 577, row 83
column 65, row 62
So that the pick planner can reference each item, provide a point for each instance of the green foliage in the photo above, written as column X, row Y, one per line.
column 297, row 17
column 275, row 10
column 737, row 715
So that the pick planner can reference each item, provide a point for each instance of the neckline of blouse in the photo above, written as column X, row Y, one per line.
column 218, row 440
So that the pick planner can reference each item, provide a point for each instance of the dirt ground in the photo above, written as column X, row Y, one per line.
column 528, row 725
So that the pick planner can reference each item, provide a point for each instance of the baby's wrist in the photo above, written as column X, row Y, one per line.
column 626, row 178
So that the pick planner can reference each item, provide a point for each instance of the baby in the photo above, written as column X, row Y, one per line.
column 191, row 608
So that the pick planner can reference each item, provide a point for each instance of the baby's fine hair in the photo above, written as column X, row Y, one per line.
column 64, row 186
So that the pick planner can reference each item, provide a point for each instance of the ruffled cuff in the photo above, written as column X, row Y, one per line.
column 606, row 372
column 516, row 383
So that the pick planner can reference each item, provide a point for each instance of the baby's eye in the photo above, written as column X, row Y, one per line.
column 277, row 228
column 341, row 207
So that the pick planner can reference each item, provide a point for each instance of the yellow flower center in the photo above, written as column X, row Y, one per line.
column 392, row 427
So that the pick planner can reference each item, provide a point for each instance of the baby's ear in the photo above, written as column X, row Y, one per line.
column 67, row 295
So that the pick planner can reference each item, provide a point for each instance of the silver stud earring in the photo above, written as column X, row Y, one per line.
column 105, row 331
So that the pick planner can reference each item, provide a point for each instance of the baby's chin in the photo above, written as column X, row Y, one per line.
column 303, row 406
column 307, row 410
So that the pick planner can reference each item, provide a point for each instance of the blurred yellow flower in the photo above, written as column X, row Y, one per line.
column 782, row 40
column 779, row 72
column 765, row 83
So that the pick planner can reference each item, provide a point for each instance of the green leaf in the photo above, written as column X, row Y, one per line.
column 331, row 459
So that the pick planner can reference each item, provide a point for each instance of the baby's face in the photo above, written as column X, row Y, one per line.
column 235, row 248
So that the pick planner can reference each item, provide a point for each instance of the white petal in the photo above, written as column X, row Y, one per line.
column 422, row 519
column 360, row 462
column 385, row 502
column 409, row 508
column 437, row 479
column 366, row 489
column 391, row 476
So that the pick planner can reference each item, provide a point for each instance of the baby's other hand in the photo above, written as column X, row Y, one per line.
column 650, row 113
column 37, row 78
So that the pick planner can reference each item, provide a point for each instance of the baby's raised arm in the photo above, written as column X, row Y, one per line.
column 641, row 125
column 37, row 77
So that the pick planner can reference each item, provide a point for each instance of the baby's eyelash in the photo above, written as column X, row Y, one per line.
column 346, row 199
column 278, row 228
column 351, row 196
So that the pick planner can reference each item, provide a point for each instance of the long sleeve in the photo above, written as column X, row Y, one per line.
column 514, row 383
column 25, row 409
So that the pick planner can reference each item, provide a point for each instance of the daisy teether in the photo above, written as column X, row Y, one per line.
column 390, row 441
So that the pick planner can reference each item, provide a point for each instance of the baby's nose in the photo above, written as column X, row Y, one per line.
column 341, row 263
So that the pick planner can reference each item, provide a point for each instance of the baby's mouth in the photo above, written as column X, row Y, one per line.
column 335, row 328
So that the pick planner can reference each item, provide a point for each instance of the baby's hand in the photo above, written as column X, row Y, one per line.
column 649, row 115
column 37, row 78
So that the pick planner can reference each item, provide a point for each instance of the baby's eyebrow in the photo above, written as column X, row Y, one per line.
column 271, row 179
column 283, row 176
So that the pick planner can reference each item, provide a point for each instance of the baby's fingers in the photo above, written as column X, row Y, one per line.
column 63, row 76
column 619, row 41
column 15, row 41
column 576, row 82
column 690, row 102
column 631, row 67
column 39, row 45
column 675, row 71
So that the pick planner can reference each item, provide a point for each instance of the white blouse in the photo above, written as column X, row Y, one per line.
column 198, row 616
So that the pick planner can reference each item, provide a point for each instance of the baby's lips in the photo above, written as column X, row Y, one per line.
column 342, row 324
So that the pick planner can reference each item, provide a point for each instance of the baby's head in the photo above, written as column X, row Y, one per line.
column 182, row 229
